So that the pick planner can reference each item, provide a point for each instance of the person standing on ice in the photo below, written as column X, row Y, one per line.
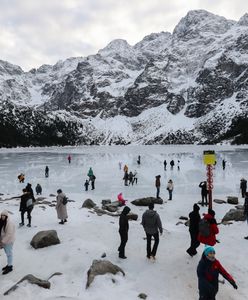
column 69, row 158
column 123, row 231
column 135, row 177
column 172, row 164
column 246, row 210
column 223, row 164
column 204, row 192
column 125, row 169
column 30, row 190
column 61, row 207
column 157, row 185
column 38, row 189
column 138, row 161
column 208, row 271
column 130, row 177
column 92, row 180
column 152, row 225
column 208, row 229
column 90, row 173
column 178, row 165
column 243, row 186
column 46, row 172
column 120, row 163
column 170, row 188
column 125, row 178
column 86, row 185
column 165, row 164
column 26, row 205
column 7, row 238
column 194, row 219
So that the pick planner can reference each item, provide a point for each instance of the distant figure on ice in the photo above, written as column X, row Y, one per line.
column 178, row 165
column 194, row 219
column 92, row 180
column 90, row 173
column 157, row 185
column 243, row 187
column 86, row 185
column 26, row 205
column 208, row 271
column 170, row 188
column 208, row 229
column 172, row 164
column 7, row 238
column 120, row 164
column 165, row 164
column 30, row 190
column 135, row 177
column 138, row 161
column 21, row 178
column 69, row 158
column 130, row 177
column 121, row 199
column 61, row 206
column 223, row 164
column 38, row 189
column 246, row 209
column 46, row 172
column 123, row 231
column 152, row 224
column 204, row 192
column 125, row 178
column 125, row 169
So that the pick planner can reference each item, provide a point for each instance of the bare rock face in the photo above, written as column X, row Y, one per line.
column 146, row 201
column 44, row 239
column 219, row 201
column 88, row 203
column 234, row 215
column 101, row 267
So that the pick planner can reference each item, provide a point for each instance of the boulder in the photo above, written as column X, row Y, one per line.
column 44, row 239
column 146, row 201
column 31, row 279
column 132, row 216
column 234, row 215
column 101, row 267
column 52, row 195
column 104, row 202
column 112, row 207
column 232, row 200
column 88, row 203
column 219, row 201
column 142, row 296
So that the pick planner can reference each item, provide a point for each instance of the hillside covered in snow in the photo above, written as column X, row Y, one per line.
column 189, row 86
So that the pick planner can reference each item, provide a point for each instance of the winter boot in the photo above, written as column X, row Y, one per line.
column 4, row 268
column 7, row 270
column 21, row 224
column 61, row 222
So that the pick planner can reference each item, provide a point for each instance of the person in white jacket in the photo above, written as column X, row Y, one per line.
column 170, row 187
column 7, row 238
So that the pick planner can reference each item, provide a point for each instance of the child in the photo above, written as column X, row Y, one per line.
column 121, row 199
column 86, row 184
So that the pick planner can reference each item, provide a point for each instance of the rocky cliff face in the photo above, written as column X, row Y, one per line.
column 190, row 86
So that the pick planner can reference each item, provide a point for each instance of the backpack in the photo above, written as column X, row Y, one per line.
column 64, row 200
column 204, row 228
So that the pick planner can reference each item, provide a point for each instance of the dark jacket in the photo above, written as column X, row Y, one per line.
column 30, row 190
column 123, row 220
column 246, row 206
column 208, row 275
column 194, row 219
column 211, row 239
column 203, row 186
column 23, row 203
column 157, row 181
column 243, row 184
column 38, row 189
column 151, row 222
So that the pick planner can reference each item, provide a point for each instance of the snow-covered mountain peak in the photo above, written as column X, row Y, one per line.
column 7, row 68
column 243, row 21
column 117, row 46
column 198, row 22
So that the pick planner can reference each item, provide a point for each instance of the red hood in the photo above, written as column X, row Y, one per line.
column 207, row 216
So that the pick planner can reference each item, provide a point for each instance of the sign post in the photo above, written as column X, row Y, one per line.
column 209, row 160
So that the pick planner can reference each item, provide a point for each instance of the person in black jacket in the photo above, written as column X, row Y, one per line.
column 243, row 186
column 204, row 192
column 194, row 219
column 46, row 172
column 246, row 209
column 26, row 205
column 30, row 190
column 208, row 271
column 123, row 231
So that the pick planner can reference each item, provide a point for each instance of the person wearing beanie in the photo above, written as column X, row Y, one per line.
column 194, row 219
column 7, row 238
column 123, row 231
column 208, row 271
column 210, row 220
column 152, row 224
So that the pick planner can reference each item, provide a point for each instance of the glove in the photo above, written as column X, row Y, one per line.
column 233, row 283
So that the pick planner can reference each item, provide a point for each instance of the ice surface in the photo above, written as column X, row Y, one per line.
column 86, row 236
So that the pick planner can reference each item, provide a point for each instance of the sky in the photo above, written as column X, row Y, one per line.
column 36, row 32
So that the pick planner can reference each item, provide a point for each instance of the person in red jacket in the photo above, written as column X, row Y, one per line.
column 213, row 229
column 208, row 271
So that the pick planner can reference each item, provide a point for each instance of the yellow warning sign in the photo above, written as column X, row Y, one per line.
column 209, row 157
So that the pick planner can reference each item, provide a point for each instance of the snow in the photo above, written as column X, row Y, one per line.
column 86, row 236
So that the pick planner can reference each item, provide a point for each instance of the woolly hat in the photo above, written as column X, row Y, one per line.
column 208, row 249
column 5, row 213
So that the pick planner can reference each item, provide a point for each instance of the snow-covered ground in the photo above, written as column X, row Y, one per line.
column 86, row 236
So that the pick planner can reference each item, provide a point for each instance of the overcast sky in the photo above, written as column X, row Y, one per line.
column 35, row 32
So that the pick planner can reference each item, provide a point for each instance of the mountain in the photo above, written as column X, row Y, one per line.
column 190, row 86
